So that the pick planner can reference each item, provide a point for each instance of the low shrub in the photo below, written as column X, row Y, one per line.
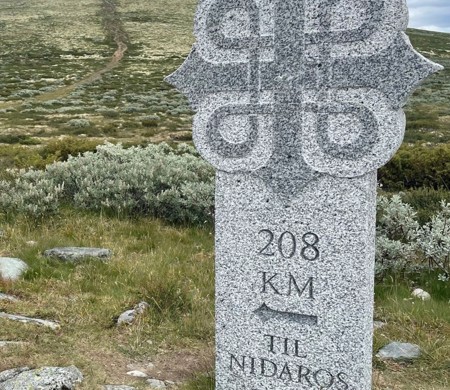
column 425, row 201
column 17, row 139
column 173, row 184
column 79, row 123
column 16, row 156
column 417, row 166
column 150, row 121
column 404, row 244
column 24, row 93
column 132, row 108
column 109, row 113
column 110, row 128
column 61, row 149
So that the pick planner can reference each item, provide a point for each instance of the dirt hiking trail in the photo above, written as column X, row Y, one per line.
column 114, row 31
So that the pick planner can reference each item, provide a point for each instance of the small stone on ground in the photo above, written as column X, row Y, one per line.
column 399, row 351
column 9, row 374
column 45, row 378
column 10, row 343
column 29, row 320
column 156, row 384
column 11, row 268
column 137, row 374
column 129, row 316
column 6, row 297
column 421, row 294
column 74, row 254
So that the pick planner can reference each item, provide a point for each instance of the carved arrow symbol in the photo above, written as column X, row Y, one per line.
column 265, row 313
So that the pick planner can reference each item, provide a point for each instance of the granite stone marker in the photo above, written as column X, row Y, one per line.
column 298, row 103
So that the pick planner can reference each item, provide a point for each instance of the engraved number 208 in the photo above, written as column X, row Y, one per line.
column 287, row 245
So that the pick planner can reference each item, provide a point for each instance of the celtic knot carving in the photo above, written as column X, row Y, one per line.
column 292, row 89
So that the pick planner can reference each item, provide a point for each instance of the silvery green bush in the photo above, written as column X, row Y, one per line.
column 30, row 193
column 434, row 240
column 173, row 184
column 403, row 244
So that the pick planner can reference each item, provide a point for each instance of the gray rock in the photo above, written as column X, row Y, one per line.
column 137, row 374
column 6, row 297
column 421, row 294
column 129, row 316
column 4, row 344
column 399, row 351
column 118, row 387
column 297, row 105
column 46, row 378
column 156, row 384
column 11, row 268
column 29, row 320
column 9, row 374
column 74, row 254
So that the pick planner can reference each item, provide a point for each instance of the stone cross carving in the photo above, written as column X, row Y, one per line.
column 298, row 103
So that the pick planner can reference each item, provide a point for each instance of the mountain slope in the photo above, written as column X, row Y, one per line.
column 43, row 50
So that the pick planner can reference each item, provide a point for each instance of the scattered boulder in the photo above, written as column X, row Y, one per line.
column 29, row 320
column 75, row 254
column 118, row 387
column 399, row 351
column 45, row 378
column 11, row 268
column 9, row 374
column 156, row 384
column 421, row 294
column 137, row 374
column 6, row 297
column 129, row 316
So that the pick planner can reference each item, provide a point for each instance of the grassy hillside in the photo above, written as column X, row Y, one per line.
column 45, row 52
column 48, row 45
column 428, row 110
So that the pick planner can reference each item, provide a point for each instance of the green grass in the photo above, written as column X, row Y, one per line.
column 426, row 201
column 428, row 110
column 411, row 320
column 170, row 268
column 48, row 63
column 202, row 382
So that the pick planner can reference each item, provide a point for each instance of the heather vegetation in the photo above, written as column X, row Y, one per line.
column 148, row 197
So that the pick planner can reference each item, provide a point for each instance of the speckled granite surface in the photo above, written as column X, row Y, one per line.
column 298, row 103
